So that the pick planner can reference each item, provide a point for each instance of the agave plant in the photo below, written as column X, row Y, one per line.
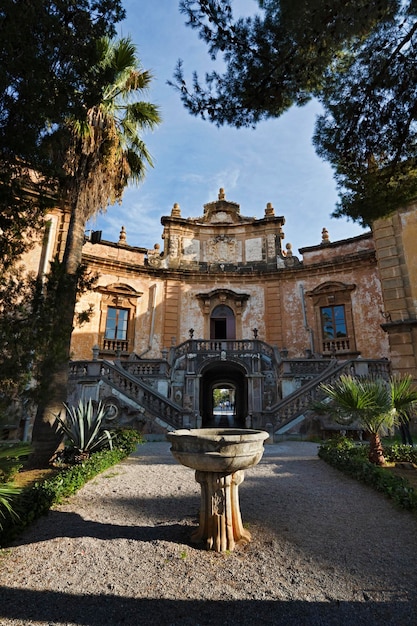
column 83, row 428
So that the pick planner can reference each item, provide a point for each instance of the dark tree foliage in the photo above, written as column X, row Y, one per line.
column 274, row 59
column 357, row 57
column 369, row 129
column 17, row 324
column 47, row 54
column 48, row 50
column 48, row 59
column 28, row 337
column 24, row 197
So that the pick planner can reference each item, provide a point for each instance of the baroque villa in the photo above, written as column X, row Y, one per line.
column 228, row 326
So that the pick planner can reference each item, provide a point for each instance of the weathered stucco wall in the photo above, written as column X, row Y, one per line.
column 275, row 293
column 395, row 240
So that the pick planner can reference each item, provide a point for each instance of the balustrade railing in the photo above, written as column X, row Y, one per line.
column 115, row 345
column 149, row 369
column 333, row 346
column 300, row 368
column 302, row 399
column 236, row 346
column 134, row 388
column 157, row 404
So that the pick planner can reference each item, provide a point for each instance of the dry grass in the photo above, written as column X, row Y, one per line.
column 25, row 478
column 408, row 471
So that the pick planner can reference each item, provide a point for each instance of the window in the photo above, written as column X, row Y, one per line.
column 333, row 319
column 118, row 308
column 116, row 324
column 333, row 322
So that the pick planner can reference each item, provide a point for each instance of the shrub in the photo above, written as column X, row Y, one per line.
column 36, row 500
column 10, row 460
column 127, row 440
column 353, row 461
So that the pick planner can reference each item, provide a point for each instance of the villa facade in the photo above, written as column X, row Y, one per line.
column 226, row 305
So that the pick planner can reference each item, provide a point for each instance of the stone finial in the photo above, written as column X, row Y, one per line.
column 288, row 248
column 269, row 210
column 325, row 236
column 176, row 211
column 122, row 237
column 222, row 195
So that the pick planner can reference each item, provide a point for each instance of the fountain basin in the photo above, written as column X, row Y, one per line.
column 219, row 457
column 221, row 450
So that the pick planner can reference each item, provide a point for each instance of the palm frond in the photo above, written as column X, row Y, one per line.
column 7, row 494
column 403, row 396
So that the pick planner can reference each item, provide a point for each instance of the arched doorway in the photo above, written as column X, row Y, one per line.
column 222, row 323
column 228, row 380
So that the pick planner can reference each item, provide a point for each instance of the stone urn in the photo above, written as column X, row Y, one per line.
column 219, row 457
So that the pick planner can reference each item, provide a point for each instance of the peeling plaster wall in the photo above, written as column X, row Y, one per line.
column 191, row 316
column 295, row 337
column 371, row 341
column 366, row 299
column 86, row 336
column 278, row 305
column 326, row 252
column 253, row 315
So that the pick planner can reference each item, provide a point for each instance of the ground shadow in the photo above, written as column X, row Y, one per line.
column 52, row 607
column 73, row 525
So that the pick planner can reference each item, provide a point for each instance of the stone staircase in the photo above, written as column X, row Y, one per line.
column 295, row 408
column 108, row 379
column 131, row 389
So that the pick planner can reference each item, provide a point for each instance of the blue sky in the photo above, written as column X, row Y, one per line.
column 274, row 163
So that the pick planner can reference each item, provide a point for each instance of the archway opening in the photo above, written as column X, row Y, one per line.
column 224, row 404
column 223, row 396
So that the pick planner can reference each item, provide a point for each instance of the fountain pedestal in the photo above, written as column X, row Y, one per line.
column 219, row 457
column 221, row 525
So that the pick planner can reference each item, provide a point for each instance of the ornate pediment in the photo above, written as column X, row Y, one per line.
column 222, row 211
column 213, row 298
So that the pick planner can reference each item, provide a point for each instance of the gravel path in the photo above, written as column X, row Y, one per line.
column 325, row 550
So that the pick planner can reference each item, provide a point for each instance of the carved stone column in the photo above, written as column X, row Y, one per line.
column 221, row 525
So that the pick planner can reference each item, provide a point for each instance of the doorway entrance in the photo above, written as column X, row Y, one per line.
column 224, row 404
column 223, row 395
column 222, row 323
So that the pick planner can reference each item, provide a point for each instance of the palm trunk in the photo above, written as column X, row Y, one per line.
column 53, row 381
column 376, row 452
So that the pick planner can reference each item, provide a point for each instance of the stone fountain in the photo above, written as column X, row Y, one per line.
column 219, row 457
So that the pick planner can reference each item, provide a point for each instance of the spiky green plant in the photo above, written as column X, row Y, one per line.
column 9, row 465
column 83, row 427
column 10, row 459
column 377, row 404
column 7, row 493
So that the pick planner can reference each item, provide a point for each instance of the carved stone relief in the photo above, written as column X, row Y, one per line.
column 222, row 249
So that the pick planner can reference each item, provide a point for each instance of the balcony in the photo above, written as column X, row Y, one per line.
column 115, row 345
column 335, row 346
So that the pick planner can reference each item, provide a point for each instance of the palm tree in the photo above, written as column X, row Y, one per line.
column 377, row 404
column 102, row 153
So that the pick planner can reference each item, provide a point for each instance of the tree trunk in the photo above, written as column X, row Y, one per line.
column 53, row 381
column 376, row 452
